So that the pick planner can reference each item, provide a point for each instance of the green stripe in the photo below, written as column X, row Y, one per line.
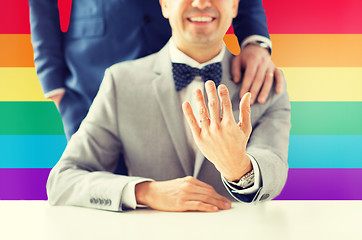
column 326, row 118
column 308, row 118
column 30, row 118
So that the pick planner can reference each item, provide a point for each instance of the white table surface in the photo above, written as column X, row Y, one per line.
column 272, row 220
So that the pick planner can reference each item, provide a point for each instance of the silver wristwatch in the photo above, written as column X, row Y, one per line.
column 260, row 44
column 246, row 181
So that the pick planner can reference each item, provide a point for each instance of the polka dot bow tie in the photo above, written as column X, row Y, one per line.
column 184, row 74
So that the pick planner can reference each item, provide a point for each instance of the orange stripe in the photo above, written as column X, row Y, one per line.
column 232, row 43
column 314, row 50
column 317, row 50
column 289, row 50
column 16, row 50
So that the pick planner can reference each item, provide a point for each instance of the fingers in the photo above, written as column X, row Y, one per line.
column 236, row 68
column 213, row 100
column 258, row 82
column 268, row 83
column 249, row 76
column 244, row 117
column 279, row 80
column 226, row 107
column 191, row 120
column 201, row 108
column 214, row 109
column 202, row 196
column 200, row 206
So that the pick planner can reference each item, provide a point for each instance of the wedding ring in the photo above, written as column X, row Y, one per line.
column 204, row 119
column 270, row 74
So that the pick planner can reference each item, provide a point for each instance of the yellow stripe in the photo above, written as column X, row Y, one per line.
column 324, row 84
column 20, row 84
column 304, row 84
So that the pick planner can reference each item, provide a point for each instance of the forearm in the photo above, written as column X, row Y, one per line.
column 47, row 41
column 69, row 185
column 251, row 20
column 269, row 143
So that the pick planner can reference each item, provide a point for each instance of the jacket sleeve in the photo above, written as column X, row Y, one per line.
column 268, row 144
column 47, row 40
column 251, row 20
column 84, row 174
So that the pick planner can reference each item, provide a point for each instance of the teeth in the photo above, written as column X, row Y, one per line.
column 201, row 19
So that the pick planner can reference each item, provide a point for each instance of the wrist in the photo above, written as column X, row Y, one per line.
column 142, row 192
column 237, row 173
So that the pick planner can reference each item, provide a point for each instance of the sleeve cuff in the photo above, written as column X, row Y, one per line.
column 54, row 92
column 254, row 38
column 129, row 196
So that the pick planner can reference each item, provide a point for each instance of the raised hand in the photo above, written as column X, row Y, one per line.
column 221, row 139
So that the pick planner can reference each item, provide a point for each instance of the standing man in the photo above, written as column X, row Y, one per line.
column 70, row 65
column 195, row 160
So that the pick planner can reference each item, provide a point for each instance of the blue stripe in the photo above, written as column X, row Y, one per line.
column 305, row 151
column 31, row 151
column 325, row 151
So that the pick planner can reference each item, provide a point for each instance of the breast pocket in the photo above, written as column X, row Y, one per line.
column 87, row 19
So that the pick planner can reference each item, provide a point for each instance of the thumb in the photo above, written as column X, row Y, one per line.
column 244, row 117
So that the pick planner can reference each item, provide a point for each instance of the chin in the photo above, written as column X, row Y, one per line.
column 201, row 38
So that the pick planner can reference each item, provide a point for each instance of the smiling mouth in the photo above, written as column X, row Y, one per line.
column 201, row 19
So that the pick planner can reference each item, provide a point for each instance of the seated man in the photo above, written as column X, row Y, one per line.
column 177, row 161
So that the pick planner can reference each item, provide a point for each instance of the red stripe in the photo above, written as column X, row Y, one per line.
column 314, row 16
column 230, row 30
column 65, row 7
column 14, row 17
column 284, row 16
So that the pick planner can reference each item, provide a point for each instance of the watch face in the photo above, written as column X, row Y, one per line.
column 247, row 180
column 247, row 183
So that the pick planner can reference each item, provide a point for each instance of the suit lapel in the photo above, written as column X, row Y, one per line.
column 167, row 97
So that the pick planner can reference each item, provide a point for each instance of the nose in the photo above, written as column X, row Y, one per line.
column 201, row 4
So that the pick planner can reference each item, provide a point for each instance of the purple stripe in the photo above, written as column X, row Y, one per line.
column 23, row 184
column 302, row 184
column 323, row 184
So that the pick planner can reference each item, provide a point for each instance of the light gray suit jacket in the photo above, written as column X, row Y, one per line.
column 137, row 115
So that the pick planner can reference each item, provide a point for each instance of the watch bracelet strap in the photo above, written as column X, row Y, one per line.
column 249, row 176
column 260, row 44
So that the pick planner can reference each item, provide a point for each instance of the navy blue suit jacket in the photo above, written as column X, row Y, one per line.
column 101, row 33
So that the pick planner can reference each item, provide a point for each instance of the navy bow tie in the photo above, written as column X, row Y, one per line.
column 184, row 74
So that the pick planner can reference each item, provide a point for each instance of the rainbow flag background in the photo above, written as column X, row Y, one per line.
column 317, row 44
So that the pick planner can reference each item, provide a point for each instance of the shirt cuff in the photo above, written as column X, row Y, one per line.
column 254, row 38
column 252, row 189
column 128, row 199
column 54, row 92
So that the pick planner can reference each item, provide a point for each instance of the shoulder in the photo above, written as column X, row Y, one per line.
column 133, row 72
column 141, row 64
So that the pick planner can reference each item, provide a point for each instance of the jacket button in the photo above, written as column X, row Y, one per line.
column 265, row 196
column 101, row 201
column 91, row 200
column 96, row 200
